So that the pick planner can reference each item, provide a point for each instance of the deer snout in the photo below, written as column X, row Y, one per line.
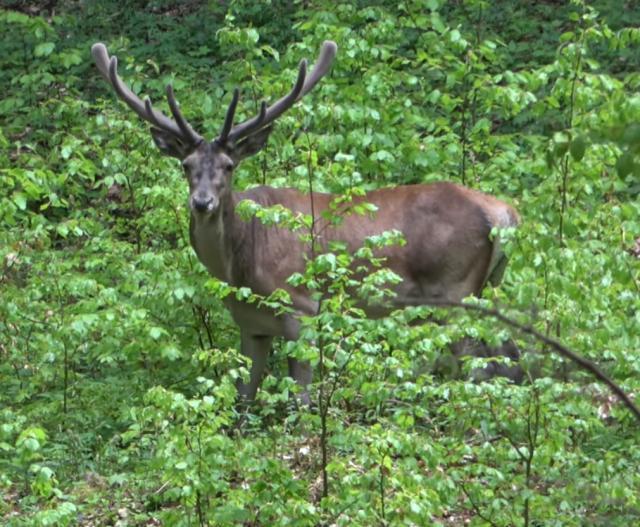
column 207, row 204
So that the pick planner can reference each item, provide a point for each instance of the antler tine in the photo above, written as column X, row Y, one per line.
column 273, row 111
column 108, row 67
column 228, row 120
column 133, row 101
column 321, row 67
column 302, row 86
column 184, row 126
column 149, row 115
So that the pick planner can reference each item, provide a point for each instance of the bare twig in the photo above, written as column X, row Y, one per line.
column 476, row 507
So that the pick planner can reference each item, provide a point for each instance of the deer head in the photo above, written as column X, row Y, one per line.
column 209, row 165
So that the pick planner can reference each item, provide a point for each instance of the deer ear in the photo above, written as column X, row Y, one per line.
column 169, row 144
column 250, row 145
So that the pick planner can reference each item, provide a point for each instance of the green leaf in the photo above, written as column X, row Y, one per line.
column 565, row 37
column 433, row 5
column 69, row 59
column 44, row 49
column 578, row 148
column 170, row 352
column 155, row 332
column 62, row 229
column 32, row 444
column 253, row 35
column 20, row 200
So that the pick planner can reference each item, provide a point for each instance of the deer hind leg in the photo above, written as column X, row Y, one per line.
column 479, row 349
column 257, row 349
column 449, row 363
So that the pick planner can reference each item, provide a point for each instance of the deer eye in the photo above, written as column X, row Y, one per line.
column 228, row 167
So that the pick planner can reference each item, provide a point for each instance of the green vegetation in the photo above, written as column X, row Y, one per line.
column 118, row 361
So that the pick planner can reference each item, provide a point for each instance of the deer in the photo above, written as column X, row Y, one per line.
column 449, row 253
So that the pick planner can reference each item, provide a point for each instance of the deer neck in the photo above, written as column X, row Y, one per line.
column 216, row 240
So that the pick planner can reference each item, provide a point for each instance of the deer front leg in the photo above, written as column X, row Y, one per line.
column 301, row 372
column 257, row 349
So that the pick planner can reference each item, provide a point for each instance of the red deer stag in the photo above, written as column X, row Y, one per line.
column 448, row 254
